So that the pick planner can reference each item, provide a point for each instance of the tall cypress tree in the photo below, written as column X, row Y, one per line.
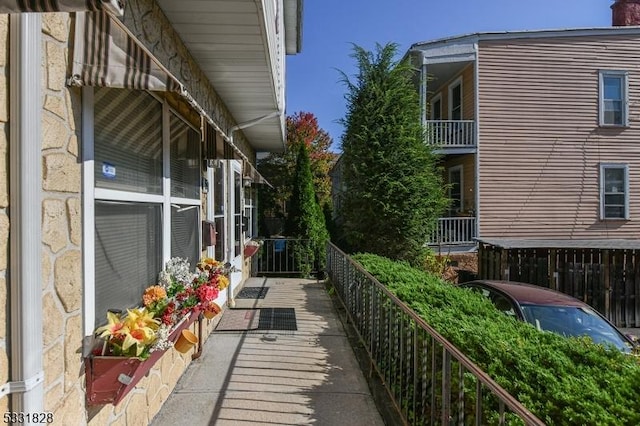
column 306, row 220
column 395, row 191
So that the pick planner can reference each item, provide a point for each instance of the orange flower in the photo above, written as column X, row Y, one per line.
column 153, row 294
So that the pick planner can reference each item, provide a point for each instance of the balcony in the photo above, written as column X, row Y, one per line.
column 454, row 231
column 452, row 136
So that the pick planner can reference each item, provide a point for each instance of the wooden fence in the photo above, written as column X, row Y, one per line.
column 607, row 279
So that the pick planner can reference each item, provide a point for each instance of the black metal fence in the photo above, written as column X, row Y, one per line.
column 428, row 379
column 282, row 257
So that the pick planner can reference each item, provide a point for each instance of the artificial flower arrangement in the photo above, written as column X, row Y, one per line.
column 179, row 291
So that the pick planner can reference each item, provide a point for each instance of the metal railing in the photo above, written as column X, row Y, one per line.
column 451, row 133
column 428, row 379
column 282, row 256
column 454, row 231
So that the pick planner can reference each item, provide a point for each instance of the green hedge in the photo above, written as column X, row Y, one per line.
column 563, row 381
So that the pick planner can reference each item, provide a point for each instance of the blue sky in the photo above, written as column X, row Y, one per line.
column 330, row 27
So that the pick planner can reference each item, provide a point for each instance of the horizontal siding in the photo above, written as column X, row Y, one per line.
column 540, row 145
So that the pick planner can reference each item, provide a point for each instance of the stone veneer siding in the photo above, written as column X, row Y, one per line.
column 62, row 279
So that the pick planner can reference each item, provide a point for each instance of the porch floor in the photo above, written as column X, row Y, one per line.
column 302, row 377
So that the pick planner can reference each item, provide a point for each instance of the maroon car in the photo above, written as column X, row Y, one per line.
column 549, row 310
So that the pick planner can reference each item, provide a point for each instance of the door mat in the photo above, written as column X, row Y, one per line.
column 277, row 319
column 258, row 319
column 238, row 320
column 252, row 293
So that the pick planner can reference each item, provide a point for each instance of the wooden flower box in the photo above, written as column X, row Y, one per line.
column 110, row 378
column 251, row 249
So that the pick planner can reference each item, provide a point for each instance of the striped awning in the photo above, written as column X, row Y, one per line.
column 106, row 55
column 18, row 6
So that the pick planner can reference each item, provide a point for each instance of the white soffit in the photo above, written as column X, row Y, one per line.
column 228, row 40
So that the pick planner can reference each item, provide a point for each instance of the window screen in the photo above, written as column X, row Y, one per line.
column 614, row 191
column 184, row 233
column 128, row 253
column 185, row 160
column 128, row 141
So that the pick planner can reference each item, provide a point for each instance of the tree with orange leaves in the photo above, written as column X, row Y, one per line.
column 279, row 168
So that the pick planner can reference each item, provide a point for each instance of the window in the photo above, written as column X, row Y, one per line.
column 237, row 210
column 614, row 98
column 436, row 107
column 455, row 100
column 455, row 189
column 250, row 212
column 145, row 195
column 218, row 209
column 614, row 191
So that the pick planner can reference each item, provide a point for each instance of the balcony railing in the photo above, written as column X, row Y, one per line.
column 454, row 231
column 430, row 381
column 451, row 133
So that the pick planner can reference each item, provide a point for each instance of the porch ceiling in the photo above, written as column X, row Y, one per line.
column 441, row 73
column 230, row 42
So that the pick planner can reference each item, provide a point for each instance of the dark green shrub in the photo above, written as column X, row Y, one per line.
column 306, row 220
column 563, row 381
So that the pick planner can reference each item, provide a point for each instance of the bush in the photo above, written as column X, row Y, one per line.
column 564, row 381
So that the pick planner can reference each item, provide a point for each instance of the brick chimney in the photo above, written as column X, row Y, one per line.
column 625, row 13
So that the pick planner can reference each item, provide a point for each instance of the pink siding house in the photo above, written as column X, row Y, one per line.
column 539, row 131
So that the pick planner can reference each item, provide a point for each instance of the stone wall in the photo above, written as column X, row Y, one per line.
column 62, row 279
column 62, row 284
column 4, row 204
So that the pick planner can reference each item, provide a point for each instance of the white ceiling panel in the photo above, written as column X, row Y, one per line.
column 229, row 40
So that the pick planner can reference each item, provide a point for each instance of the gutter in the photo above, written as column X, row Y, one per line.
column 25, row 206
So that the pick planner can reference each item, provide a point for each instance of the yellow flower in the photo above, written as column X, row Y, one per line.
column 223, row 282
column 115, row 326
column 207, row 263
column 140, row 318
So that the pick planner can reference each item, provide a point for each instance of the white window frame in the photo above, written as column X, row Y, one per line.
column 91, row 194
column 220, row 166
column 624, row 77
column 458, row 168
column 457, row 82
column 435, row 99
column 251, row 208
column 603, row 167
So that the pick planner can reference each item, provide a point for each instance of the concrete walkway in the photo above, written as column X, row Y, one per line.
column 305, row 377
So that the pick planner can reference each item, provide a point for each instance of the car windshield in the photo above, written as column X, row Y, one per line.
column 573, row 321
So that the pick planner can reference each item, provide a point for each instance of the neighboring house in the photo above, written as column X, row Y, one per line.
column 539, row 131
column 123, row 129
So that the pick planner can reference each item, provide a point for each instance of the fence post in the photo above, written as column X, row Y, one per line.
column 553, row 274
column 607, row 283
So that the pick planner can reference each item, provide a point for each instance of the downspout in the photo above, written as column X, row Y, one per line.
column 476, row 69
column 230, row 300
column 25, row 177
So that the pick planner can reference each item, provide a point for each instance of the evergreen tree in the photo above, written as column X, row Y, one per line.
column 306, row 220
column 395, row 191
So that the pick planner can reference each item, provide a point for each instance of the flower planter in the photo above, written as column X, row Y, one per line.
column 110, row 378
column 251, row 248
column 186, row 341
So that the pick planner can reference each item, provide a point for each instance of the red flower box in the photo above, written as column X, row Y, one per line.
column 250, row 249
column 110, row 378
